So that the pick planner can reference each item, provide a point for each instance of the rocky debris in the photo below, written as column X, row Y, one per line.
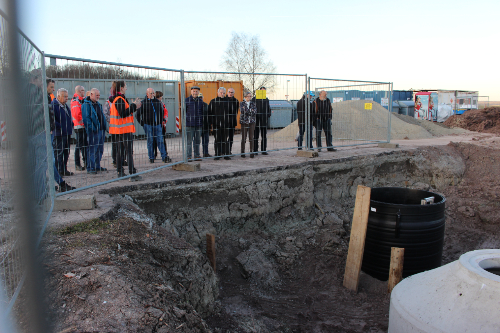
column 486, row 120
column 258, row 267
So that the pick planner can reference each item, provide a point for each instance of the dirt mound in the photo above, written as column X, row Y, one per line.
column 486, row 120
column 122, row 276
column 436, row 129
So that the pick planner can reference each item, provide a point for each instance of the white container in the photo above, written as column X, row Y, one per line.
column 461, row 296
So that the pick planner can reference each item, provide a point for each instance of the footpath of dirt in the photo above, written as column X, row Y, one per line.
column 122, row 273
column 486, row 120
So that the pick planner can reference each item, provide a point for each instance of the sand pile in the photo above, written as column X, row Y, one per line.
column 352, row 122
column 436, row 129
column 486, row 120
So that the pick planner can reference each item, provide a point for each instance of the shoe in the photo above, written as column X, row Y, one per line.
column 134, row 178
column 252, row 155
column 79, row 168
column 197, row 158
column 190, row 159
column 265, row 153
column 66, row 173
column 167, row 160
column 92, row 172
column 331, row 149
column 125, row 163
column 121, row 174
column 319, row 150
column 64, row 187
column 114, row 164
column 217, row 158
column 151, row 160
column 243, row 156
column 207, row 155
column 227, row 157
column 299, row 148
column 102, row 169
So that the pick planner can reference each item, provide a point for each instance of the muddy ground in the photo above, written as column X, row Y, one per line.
column 486, row 120
column 124, row 273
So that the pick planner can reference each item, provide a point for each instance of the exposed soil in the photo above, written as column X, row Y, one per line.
column 154, row 281
column 486, row 120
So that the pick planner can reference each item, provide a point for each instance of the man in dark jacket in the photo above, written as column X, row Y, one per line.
column 301, row 112
column 95, row 127
column 194, row 123
column 323, row 114
column 233, row 105
column 150, row 115
column 62, row 132
column 261, row 121
column 205, row 132
column 217, row 110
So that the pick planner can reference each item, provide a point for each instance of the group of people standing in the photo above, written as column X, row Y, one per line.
column 220, row 117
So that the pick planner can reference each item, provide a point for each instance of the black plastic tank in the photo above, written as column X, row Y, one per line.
column 398, row 219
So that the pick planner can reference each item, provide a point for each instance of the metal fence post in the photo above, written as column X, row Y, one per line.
column 308, row 112
column 183, row 117
column 48, row 136
column 390, row 113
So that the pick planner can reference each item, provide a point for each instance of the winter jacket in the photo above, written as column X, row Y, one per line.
column 206, row 118
column 218, row 112
column 194, row 112
column 301, row 111
column 93, row 116
column 121, row 118
column 322, row 109
column 120, row 105
column 76, row 111
column 263, row 110
column 151, row 112
column 233, row 106
column 50, row 98
column 62, row 119
column 247, row 115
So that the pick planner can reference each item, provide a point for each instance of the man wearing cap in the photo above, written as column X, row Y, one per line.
column 194, row 123
column 301, row 112
column 261, row 121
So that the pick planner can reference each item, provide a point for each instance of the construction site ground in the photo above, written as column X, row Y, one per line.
column 107, row 267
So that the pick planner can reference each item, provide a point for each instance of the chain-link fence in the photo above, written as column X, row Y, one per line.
column 348, row 112
column 26, row 168
column 117, row 121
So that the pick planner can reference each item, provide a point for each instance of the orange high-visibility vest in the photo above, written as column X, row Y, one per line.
column 51, row 97
column 117, row 124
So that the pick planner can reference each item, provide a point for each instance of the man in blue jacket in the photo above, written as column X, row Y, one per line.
column 150, row 115
column 62, row 132
column 95, row 127
column 194, row 123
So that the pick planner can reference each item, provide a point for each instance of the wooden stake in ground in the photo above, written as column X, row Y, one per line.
column 396, row 268
column 357, row 240
column 211, row 249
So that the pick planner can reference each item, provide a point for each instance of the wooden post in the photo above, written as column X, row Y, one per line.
column 211, row 249
column 396, row 267
column 357, row 240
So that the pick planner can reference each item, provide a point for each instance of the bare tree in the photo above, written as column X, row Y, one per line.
column 244, row 54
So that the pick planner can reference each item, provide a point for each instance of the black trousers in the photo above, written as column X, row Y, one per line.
column 230, row 134
column 260, row 127
column 81, row 146
column 221, row 144
column 125, row 145
column 61, row 146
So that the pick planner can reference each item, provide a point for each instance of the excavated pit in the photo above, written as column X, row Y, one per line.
column 282, row 235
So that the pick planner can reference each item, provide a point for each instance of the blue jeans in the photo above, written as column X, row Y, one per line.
column 325, row 125
column 154, row 131
column 193, row 134
column 205, row 137
column 95, row 149
column 302, row 129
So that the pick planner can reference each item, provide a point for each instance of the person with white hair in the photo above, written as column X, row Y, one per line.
column 62, row 131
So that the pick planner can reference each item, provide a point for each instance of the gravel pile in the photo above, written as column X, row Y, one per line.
column 351, row 121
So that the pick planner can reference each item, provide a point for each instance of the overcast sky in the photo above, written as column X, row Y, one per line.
column 436, row 44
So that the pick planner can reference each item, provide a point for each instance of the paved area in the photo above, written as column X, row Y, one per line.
column 237, row 163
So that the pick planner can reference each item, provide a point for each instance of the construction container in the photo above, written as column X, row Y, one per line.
column 395, row 107
column 407, row 108
column 209, row 91
column 402, row 95
column 281, row 113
